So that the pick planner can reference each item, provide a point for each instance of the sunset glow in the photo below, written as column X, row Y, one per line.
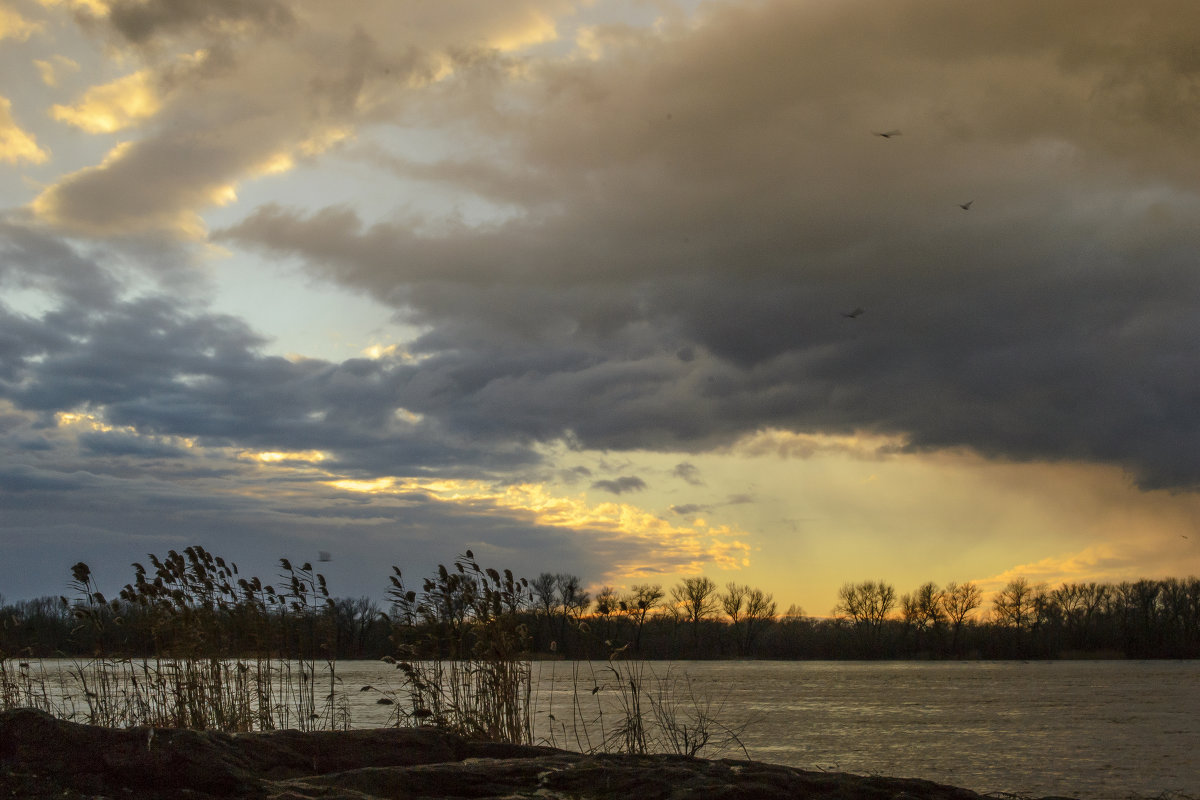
column 789, row 293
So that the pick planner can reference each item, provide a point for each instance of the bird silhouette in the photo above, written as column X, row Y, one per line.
column 855, row 314
column 887, row 134
column 323, row 555
column 966, row 206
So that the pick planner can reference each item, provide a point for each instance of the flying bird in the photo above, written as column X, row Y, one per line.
column 887, row 134
column 323, row 555
column 966, row 206
column 855, row 314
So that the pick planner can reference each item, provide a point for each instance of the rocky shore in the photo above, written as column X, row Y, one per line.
column 43, row 757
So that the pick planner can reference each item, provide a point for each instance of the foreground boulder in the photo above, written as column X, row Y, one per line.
column 44, row 757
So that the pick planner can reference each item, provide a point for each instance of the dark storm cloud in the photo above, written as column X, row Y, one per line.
column 158, row 369
column 116, row 444
column 720, row 195
column 139, row 20
column 626, row 483
column 19, row 480
column 31, row 259
column 153, row 366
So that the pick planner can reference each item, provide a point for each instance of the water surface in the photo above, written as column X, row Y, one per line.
column 1096, row 730
column 1090, row 729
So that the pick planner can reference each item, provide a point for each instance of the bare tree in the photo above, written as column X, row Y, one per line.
column 697, row 600
column 732, row 602
column 545, row 600
column 573, row 598
column 760, row 609
column 573, row 602
column 1013, row 606
column 958, row 601
column 545, row 595
column 868, row 602
column 794, row 612
column 638, row 604
column 867, row 605
column 1079, row 603
column 923, row 609
column 606, row 602
column 606, row 605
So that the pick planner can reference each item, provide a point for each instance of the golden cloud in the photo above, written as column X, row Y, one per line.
column 729, row 555
column 97, row 8
column 664, row 547
column 1099, row 562
column 70, row 419
column 285, row 160
column 15, row 26
column 85, row 422
column 114, row 106
column 281, row 456
column 536, row 28
column 15, row 144
column 50, row 69
column 375, row 486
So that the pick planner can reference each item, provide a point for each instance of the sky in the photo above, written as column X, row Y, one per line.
column 570, row 283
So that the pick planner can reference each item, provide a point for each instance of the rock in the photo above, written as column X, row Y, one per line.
column 42, row 757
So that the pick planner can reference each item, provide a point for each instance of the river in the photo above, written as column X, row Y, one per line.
column 1096, row 730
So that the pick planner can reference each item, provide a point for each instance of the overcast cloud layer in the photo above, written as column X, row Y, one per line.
column 641, row 228
column 691, row 214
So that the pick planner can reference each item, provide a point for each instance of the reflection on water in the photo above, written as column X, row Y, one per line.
column 1093, row 730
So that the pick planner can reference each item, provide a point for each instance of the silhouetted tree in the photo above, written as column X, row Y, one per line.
column 923, row 612
column 696, row 599
column 573, row 602
column 606, row 605
column 958, row 601
column 192, row 602
column 732, row 601
column 1013, row 606
column 867, row 606
column 637, row 605
column 544, row 590
column 760, row 611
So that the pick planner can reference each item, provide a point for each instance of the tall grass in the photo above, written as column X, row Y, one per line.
column 231, row 653
column 630, row 706
column 468, row 670
column 24, row 684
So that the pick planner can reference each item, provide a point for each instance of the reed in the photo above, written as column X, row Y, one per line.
column 24, row 684
column 204, row 619
column 231, row 653
column 628, row 706
column 463, row 651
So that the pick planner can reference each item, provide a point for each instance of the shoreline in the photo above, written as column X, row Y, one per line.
column 42, row 757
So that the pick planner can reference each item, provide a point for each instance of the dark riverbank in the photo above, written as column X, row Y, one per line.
column 42, row 757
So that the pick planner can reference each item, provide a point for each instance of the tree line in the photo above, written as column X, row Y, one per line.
column 195, row 602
